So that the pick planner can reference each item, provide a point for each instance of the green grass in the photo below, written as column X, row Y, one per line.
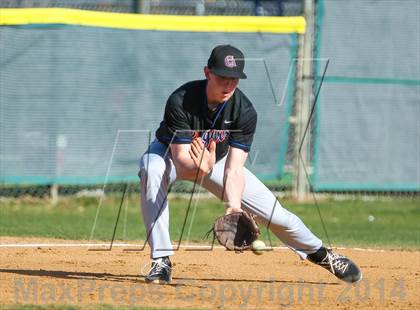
column 395, row 223
column 388, row 224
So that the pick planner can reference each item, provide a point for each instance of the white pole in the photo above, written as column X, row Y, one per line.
column 303, row 100
column 144, row 6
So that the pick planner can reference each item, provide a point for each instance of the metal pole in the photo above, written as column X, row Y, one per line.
column 54, row 194
column 143, row 6
column 200, row 7
column 303, row 100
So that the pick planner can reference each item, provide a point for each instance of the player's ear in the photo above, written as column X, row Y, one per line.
column 207, row 72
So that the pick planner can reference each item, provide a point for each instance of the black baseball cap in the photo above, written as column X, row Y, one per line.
column 228, row 61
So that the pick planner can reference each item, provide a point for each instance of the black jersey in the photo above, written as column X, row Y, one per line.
column 187, row 116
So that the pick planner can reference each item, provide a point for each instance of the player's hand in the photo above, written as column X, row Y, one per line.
column 233, row 210
column 204, row 158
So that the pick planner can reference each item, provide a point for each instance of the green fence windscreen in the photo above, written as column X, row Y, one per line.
column 78, row 103
column 368, row 127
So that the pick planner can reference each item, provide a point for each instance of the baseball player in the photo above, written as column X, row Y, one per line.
column 205, row 137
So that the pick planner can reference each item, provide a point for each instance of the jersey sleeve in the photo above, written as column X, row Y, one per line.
column 243, row 135
column 175, row 126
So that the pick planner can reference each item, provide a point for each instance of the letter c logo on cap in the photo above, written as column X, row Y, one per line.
column 230, row 61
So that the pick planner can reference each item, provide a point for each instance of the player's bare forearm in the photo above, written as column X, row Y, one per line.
column 234, row 180
column 187, row 170
column 234, row 187
column 193, row 161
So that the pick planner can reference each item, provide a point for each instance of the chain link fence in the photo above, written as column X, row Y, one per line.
column 201, row 7
column 171, row 7
column 96, row 77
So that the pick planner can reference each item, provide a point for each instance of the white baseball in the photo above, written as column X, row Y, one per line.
column 258, row 247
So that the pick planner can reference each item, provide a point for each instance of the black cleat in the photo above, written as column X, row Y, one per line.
column 160, row 272
column 339, row 265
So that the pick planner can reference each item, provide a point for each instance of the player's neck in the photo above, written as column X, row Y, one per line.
column 211, row 102
column 213, row 107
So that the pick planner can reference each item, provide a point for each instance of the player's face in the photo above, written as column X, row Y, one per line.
column 220, row 88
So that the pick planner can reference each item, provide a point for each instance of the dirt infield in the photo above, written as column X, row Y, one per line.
column 203, row 279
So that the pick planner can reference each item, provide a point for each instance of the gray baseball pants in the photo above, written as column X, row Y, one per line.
column 157, row 172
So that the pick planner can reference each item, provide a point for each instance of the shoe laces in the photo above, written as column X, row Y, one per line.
column 336, row 262
column 157, row 266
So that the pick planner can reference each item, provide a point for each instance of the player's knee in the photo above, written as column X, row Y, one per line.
column 151, row 174
column 152, row 171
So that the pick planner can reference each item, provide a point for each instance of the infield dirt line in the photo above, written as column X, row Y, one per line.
column 75, row 245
